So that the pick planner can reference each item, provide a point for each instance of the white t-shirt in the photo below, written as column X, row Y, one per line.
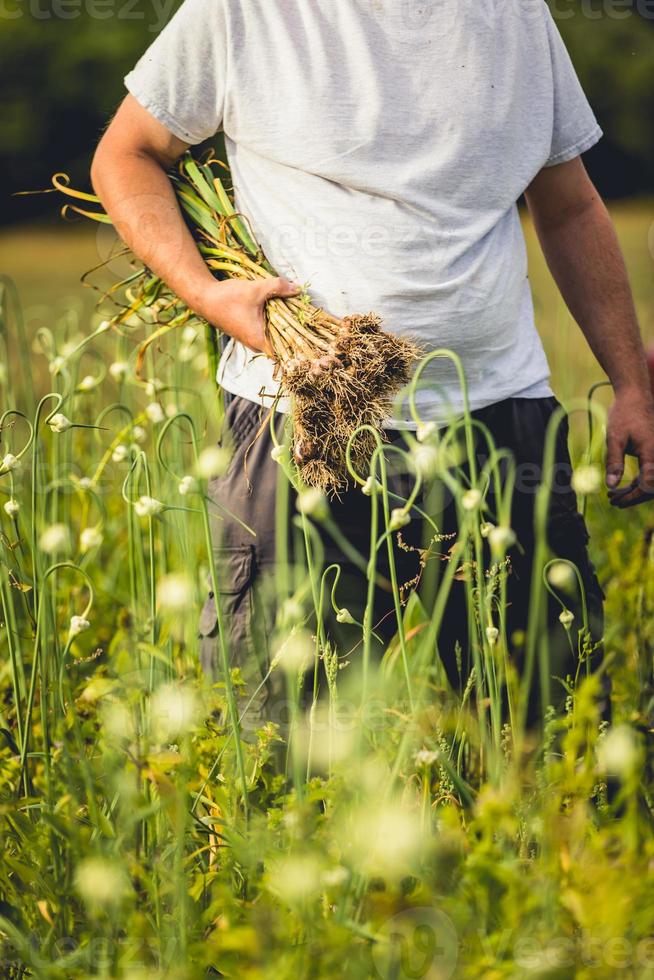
column 379, row 148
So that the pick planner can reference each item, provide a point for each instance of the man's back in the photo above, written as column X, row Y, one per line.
column 379, row 151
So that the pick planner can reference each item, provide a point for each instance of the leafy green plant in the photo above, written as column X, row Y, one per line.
column 393, row 826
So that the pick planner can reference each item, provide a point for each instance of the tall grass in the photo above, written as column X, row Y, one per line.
column 391, row 826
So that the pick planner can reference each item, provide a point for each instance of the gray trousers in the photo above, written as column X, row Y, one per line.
column 246, row 562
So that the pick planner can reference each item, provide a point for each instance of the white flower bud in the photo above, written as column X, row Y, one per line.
column 54, row 539
column 278, row 453
column 155, row 412
column 120, row 453
column 148, row 506
column 425, row 430
column 152, row 387
column 212, row 461
column 562, row 576
column 399, row 519
column 313, row 503
column 189, row 334
column 188, row 484
column 501, row 539
column 10, row 462
column 101, row 883
column 171, row 409
column 56, row 364
column 78, row 625
column 175, row 592
column 486, row 529
column 566, row 619
column 139, row 434
column 426, row 758
column 12, row 507
column 371, row 486
column 174, row 710
column 59, row 423
column 492, row 634
column 426, row 460
column 88, row 383
column 471, row 499
column 618, row 751
column 586, row 480
column 91, row 537
column 118, row 370
column 345, row 616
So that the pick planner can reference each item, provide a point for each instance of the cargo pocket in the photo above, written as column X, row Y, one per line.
column 234, row 572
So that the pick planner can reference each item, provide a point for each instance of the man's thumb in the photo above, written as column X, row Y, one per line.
column 281, row 287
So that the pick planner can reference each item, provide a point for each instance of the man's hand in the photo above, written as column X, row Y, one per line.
column 237, row 307
column 630, row 428
column 583, row 253
column 129, row 174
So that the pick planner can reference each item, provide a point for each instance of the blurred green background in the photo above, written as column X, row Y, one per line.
column 62, row 63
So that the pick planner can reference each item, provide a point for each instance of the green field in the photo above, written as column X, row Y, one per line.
column 47, row 264
column 394, row 829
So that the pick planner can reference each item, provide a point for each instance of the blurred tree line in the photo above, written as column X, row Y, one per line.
column 62, row 64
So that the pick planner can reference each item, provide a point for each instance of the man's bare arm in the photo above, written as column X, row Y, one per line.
column 129, row 176
column 583, row 253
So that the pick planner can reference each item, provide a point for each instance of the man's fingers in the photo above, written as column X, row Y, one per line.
column 629, row 496
column 615, row 447
column 642, row 488
column 280, row 287
column 646, row 458
column 620, row 492
column 625, row 496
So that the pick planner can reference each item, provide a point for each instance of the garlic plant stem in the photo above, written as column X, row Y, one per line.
column 298, row 343
column 297, row 327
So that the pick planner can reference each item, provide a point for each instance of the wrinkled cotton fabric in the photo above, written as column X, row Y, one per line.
column 379, row 148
